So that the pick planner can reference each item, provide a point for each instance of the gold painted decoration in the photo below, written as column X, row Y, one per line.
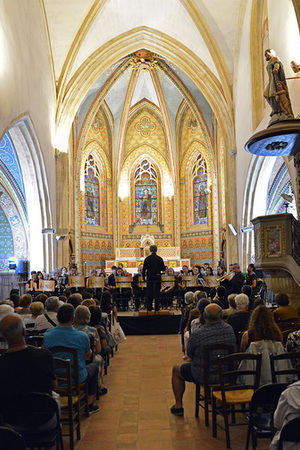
column 145, row 127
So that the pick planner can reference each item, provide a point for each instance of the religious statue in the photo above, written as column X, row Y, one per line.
column 276, row 75
column 282, row 96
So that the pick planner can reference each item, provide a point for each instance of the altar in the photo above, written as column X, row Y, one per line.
column 131, row 258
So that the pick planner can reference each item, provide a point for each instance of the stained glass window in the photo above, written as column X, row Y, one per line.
column 145, row 184
column 199, row 176
column 91, row 178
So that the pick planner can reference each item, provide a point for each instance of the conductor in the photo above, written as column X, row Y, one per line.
column 153, row 266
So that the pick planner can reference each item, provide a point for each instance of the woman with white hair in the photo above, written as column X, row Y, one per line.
column 81, row 323
column 239, row 320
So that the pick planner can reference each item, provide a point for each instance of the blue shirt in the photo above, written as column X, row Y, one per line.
column 69, row 337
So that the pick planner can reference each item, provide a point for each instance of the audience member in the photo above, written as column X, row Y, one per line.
column 36, row 309
column 75, row 300
column 285, row 311
column 64, row 334
column 232, row 306
column 25, row 302
column 41, row 298
column 23, row 368
column 214, row 331
column 49, row 318
column 220, row 299
column 201, row 305
column 239, row 320
column 288, row 408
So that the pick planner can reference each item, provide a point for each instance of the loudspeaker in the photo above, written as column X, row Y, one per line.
column 23, row 268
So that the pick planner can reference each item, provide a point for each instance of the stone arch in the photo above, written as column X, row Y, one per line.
column 40, row 246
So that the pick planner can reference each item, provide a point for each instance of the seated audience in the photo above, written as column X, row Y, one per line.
column 263, row 336
column 232, row 306
column 96, row 322
column 64, row 334
column 288, row 408
column 25, row 302
column 293, row 345
column 41, row 298
column 248, row 291
column 220, row 299
column 107, row 306
column 23, row 368
column 285, row 311
column 196, row 323
column 239, row 320
column 214, row 331
column 49, row 318
column 4, row 311
column 75, row 300
column 36, row 309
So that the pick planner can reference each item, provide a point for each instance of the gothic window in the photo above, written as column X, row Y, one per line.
column 91, row 178
column 199, row 177
column 145, row 185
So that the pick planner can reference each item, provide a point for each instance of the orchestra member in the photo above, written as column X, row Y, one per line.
column 123, row 294
column 185, row 271
column 138, row 291
column 224, row 280
column 238, row 280
column 167, row 294
column 56, row 278
column 153, row 266
column 251, row 279
column 31, row 282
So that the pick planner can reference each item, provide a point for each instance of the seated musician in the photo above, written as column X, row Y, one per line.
column 139, row 292
column 167, row 294
column 199, row 281
column 30, row 283
column 222, row 277
column 73, row 273
column 36, row 283
column 123, row 294
column 57, row 286
column 184, row 272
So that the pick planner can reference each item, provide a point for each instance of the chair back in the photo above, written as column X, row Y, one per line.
column 290, row 432
column 211, row 353
column 10, row 439
column 70, row 354
column 63, row 376
column 265, row 399
column 235, row 372
column 35, row 341
column 290, row 324
column 34, row 415
column 282, row 366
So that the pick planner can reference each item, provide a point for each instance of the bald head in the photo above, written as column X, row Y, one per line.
column 213, row 312
column 12, row 328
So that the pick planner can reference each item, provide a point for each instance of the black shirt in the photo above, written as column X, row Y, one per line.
column 237, row 283
column 153, row 266
column 28, row 370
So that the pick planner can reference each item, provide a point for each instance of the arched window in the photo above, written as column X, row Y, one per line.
column 145, row 185
column 91, row 178
column 199, row 177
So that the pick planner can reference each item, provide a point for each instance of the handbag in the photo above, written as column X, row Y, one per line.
column 118, row 333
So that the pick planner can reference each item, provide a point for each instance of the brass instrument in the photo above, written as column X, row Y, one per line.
column 226, row 274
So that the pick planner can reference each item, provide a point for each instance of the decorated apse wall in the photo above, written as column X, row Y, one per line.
column 198, row 215
column 145, row 168
column 13, row 216
column 96, row 199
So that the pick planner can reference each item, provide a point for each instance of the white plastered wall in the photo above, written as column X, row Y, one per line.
column 27, row 89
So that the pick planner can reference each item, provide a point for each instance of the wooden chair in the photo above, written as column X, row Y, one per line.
column 35, row 341
column 71, row 353
column 291, row 324
column 261, row 413
column 69, row 399
column 231, row 392
column 10, row 439
column 211, row 372
column 289, row 372
column 35, row 416
column 290, row 433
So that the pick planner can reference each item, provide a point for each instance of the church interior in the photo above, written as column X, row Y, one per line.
column 123, row 124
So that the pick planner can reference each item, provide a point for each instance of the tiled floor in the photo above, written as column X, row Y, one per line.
column 135, row 414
